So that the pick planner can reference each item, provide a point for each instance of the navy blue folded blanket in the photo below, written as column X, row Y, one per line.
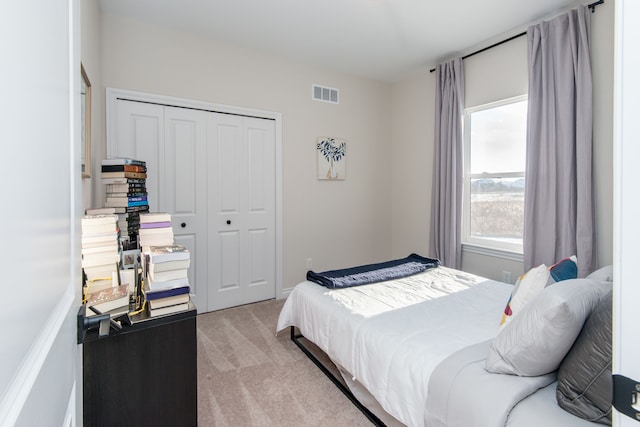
column 373, row 273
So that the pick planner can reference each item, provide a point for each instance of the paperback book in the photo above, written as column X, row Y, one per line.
column 109, row 299
column 165, row 293
column 165, row 302
column 155, row 217
column 168, row 253
column 168, row 310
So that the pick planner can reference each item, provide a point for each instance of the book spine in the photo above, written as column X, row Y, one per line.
column 128, row 199
column 154, row 295
column 131, row 175
column 125, row 187
column 163, row 224
column 123, row 161
column 138, row 209
column 129, row 195
column 123, row 168
column 122, row 180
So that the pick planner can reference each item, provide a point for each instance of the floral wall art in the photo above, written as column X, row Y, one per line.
column 332, row 161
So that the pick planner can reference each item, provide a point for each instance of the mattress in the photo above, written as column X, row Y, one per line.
column 391, row 335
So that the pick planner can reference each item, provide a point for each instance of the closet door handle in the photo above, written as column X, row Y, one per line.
column 228, row 222
column 183, row 225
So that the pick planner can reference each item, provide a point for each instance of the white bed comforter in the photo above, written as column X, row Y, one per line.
column 391, row 335
column 462, row 393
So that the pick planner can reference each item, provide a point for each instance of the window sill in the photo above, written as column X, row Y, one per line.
column 496, row 253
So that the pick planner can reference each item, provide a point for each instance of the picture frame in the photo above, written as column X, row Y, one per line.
column 85, row 117
column 331, row 158
column 130, row 258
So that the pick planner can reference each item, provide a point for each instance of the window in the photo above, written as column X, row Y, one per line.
column 494, row 159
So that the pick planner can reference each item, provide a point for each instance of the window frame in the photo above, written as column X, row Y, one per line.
column 478, row 244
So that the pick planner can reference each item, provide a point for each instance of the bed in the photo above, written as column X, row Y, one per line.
column 419, row 349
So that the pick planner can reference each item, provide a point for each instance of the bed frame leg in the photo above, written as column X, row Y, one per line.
column 345, row 390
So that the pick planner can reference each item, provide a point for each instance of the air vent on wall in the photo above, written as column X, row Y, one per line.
column 325, row 94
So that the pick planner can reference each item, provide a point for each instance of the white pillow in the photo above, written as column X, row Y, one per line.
column 535, row 342
column 528, row 286
column 604, row 274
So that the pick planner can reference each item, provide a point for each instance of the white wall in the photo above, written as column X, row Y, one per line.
column 335, row 223
column 40, row 257
column 413, row 102
column 492, row 75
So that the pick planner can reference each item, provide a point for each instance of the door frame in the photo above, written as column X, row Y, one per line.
column 114, row 94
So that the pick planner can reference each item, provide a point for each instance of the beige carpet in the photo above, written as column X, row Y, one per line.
column 248, row 376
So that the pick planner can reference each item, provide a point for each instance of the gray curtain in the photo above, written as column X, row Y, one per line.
column 446, row 200
column 559, row 206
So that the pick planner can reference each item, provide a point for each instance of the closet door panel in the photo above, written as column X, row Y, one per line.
column 260, row 171
column 183, row 194
column 226, row 204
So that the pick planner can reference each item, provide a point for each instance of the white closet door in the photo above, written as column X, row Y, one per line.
column 183, row 191
column 241, row 195
column 140, row 135
column 207, row 169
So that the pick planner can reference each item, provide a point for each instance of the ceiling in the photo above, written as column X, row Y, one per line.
column 378, row 39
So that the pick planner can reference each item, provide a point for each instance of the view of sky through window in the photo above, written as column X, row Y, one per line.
column 493, row 133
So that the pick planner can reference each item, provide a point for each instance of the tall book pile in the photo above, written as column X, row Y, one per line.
column 126, row 193
column 100, row 249
column 166, row 282
column 155, row 230
column 100, row 257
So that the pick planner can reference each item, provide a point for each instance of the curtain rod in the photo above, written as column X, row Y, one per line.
column 591, row 6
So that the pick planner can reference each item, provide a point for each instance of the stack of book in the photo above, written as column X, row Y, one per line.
column 126, row 192
column 100, row 250
column 155, row 230
column 166, row 282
